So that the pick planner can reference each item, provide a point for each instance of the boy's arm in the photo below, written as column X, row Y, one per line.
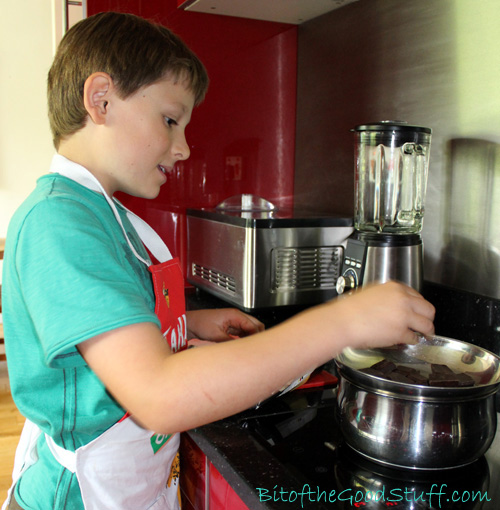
column 168, row 392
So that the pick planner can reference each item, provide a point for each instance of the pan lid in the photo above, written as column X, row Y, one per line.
column 460, row 357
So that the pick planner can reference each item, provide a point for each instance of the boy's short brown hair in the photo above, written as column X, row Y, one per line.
column 133, row 51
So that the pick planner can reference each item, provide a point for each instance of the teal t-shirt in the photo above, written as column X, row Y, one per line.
column 68, row 276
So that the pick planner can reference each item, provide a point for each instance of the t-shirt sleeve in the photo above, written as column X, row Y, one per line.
column 78, row 278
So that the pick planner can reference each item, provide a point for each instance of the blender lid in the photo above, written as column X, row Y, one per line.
column 391, row 125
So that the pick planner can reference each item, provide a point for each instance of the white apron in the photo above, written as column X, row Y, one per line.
column 127, row 467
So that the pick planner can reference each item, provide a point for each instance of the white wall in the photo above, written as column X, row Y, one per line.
column 26, row 46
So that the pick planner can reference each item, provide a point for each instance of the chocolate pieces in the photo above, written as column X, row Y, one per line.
column 419, row 378
column 440, row 375
column 398, row 377
column 384, row 366
column 450, row 380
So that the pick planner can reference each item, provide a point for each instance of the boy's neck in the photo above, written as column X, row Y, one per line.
column 79, row 148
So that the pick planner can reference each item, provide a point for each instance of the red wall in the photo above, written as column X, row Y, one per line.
column 242, row 137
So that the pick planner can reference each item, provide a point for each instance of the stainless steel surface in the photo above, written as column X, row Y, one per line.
column 432, row 63
column 401, row 263
column 254, row 267
column 382, row 257
column 416, row 435
column 413, row 426
column 457, row 355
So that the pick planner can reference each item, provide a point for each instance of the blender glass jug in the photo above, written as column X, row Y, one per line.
column 391, row 166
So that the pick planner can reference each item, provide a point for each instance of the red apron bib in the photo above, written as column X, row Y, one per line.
column 170, row 307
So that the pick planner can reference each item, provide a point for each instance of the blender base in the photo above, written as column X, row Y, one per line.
column 376, row 257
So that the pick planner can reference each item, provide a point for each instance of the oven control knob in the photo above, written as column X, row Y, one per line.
column 346, row 282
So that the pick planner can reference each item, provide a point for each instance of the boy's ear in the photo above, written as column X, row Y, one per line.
column 96, row 91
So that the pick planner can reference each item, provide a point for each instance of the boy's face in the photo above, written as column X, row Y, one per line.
column 145, row 137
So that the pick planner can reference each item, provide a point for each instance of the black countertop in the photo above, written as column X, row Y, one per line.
column 289, row 452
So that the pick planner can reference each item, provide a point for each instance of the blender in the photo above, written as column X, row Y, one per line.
column 391, row 167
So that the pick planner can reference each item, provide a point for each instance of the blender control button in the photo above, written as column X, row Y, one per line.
column 340, row 286
column 346, row 282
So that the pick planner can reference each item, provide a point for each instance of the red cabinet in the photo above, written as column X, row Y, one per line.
column 202, row 486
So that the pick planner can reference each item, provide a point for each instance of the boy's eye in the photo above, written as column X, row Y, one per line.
column 170, row 122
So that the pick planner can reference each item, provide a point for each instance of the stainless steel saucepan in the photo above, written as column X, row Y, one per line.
column 414, row 425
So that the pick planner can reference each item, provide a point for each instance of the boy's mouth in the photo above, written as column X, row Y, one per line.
column 162, row 169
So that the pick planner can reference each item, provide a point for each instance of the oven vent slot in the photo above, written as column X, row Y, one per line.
column 214, row 277
column 306, row 268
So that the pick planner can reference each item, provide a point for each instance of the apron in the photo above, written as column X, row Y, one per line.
column 127, row 467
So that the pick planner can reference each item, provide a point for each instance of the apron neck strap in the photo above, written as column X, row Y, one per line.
column 148, row 236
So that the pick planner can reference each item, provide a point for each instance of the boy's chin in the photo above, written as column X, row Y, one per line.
column 152, row 195
column 147, row 195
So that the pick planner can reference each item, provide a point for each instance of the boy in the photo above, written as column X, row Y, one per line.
column 91, row 325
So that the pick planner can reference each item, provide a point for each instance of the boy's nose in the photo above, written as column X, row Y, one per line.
column 181, row 148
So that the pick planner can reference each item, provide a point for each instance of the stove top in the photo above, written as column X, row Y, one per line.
column 300, row 430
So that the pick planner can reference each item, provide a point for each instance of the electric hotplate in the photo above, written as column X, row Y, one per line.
column 300, row 430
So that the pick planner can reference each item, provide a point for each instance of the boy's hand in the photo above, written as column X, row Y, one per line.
column 384, row 314
column 221, row 324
